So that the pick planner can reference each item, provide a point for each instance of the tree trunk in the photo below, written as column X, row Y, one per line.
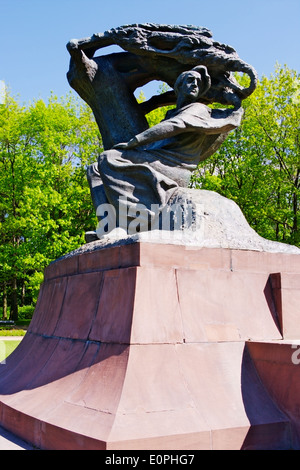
column 4, row 315
column 14, row 300
column 23, row 292
column 296, row 235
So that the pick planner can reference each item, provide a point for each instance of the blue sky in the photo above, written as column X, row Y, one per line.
column 33, row 33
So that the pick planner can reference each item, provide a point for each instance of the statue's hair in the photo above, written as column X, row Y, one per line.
column 204, row 79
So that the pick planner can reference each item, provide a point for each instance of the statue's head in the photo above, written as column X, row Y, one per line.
column 192, row 84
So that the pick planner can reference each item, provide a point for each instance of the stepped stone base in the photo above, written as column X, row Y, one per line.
column 159, row 346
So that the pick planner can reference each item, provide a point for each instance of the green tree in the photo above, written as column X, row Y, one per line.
column 45, row 204
column 258, row 166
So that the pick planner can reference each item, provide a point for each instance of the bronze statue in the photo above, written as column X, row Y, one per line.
column 146, row 165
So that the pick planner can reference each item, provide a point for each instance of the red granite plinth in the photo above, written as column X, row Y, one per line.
column 152, row 346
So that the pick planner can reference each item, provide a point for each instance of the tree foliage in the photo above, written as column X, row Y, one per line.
column 258, row 166
column 45, row 204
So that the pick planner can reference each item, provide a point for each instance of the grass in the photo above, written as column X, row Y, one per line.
column 7, row 347
column 12, row 332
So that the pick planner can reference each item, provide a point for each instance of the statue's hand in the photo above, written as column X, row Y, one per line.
column 121, row 146
column 72, row 45
column 127, row 145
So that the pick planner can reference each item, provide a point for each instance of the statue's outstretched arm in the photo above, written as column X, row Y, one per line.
column 163, row 130
column 212, row 122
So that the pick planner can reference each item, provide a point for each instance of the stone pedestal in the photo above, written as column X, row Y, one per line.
column 158, row 346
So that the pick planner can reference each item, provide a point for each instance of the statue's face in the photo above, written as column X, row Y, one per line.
column 190, row 86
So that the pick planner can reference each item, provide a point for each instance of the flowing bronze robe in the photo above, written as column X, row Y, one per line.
column 165, row 155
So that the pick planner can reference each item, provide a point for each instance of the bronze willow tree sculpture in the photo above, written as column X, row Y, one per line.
column 153, row 52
